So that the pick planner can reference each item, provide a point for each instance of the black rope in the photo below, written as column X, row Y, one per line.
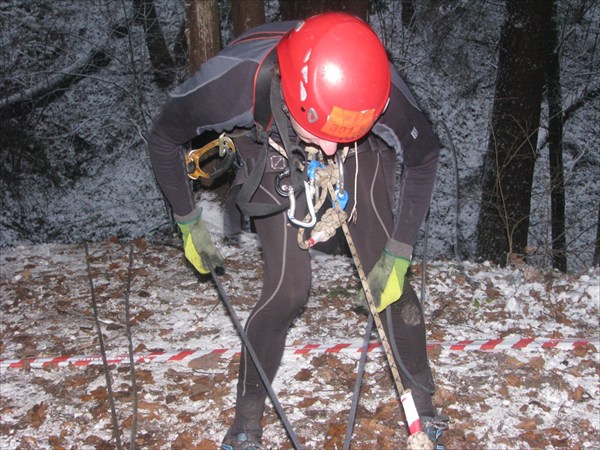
column 359, row 377
column 424, row 259
column 407, row 374
column 111, row 398
column 453, row 152
column 253, row 355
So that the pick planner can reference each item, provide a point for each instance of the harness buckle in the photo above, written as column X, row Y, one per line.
column 283, row 190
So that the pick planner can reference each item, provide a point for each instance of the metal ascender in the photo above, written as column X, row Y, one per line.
column 222, row 147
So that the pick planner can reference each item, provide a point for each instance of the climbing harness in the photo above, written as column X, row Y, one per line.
column 292, row 152
column 223, row 147
column 263, row 376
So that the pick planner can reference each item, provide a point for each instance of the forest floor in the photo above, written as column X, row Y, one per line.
column 543, row 395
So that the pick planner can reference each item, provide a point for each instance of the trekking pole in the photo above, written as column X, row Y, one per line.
column 109, row 389
column 359, row 377
column 417, row 439
column 253, row 355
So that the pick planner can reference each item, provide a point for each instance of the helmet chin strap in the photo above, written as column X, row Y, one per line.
column 281, row 121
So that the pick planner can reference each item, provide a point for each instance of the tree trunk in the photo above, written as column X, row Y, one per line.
column 596, row 260
column 54, row 86
column 301, row 9
column 247, row 14
column 503, row 224
column 555, row 136
column 203, row 32
column 160, row 58
column 408, row 14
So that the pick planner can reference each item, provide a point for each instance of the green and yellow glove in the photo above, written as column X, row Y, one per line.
column 197, row 243
column 386, row 279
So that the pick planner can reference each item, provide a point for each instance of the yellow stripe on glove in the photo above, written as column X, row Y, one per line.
column 198, row 245
column 386, row 280
column 395, row 284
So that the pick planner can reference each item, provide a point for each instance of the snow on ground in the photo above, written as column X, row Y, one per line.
column 497, row 399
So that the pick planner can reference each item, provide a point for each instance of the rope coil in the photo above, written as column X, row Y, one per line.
column 333, row 218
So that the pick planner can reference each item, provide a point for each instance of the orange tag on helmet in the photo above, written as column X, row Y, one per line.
column 348, row 125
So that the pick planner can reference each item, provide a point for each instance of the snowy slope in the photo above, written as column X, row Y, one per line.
column 543, row 395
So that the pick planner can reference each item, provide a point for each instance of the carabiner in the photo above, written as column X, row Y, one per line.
column 311, row 207
column 340, row 164
column 341, row 195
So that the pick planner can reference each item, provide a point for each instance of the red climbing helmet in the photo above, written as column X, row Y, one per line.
column 335, row 76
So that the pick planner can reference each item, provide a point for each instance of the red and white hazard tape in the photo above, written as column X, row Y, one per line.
column 349, row 348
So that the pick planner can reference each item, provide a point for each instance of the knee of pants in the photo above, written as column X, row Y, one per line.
column 288, row 303
column 409, row 308
column 286, row 293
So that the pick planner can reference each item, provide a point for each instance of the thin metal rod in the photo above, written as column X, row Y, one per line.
column 254, row 356
column 134, row 403
column 113, row 413
column 359, row 377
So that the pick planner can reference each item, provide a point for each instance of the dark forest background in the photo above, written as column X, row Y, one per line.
column 511, row 87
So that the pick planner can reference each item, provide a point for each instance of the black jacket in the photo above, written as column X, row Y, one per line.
column 220, row 97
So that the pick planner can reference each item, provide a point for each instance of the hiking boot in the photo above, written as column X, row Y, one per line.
column 434, row 428
column 241, row 441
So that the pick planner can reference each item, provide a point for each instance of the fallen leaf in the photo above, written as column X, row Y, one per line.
column 527, row 424
column 209, row 361
column 37, row 414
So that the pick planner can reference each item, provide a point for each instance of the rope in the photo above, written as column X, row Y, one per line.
column 372, row 307
column 111, row 398
column 326, row 227
column 254, row 356
column 403, row 368
column 359, row 377
column 379, row 325
column 419, row 441
column 453, row 152
column 333, row 218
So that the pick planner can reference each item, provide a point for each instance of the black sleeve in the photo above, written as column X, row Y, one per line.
column 219, row 104
column 409, row 131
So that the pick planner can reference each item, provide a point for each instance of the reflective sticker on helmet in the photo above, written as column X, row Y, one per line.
column 347, row 124
column 307, row 56
column 304, row 72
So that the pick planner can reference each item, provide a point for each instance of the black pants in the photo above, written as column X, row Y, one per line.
column 287, row 280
